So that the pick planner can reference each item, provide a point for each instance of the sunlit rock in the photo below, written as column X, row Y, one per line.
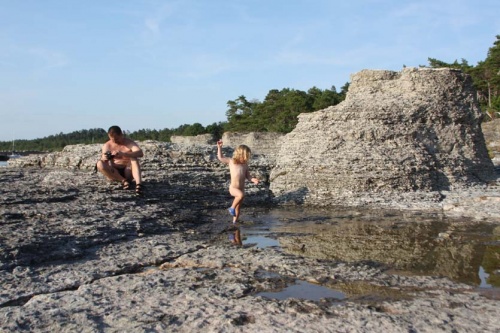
column 407, row 134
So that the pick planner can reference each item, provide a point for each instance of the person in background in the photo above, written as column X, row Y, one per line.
column 120, row 160
column 238, row 168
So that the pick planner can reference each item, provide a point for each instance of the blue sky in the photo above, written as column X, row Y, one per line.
column 67, row 65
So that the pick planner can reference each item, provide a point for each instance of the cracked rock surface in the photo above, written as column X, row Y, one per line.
column 80, row 254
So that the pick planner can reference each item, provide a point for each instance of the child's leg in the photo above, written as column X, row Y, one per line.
column 238, row 198
column 237, row 210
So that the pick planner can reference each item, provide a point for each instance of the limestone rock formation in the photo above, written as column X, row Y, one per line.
column 157, row 155
column 411, row 133
column 186, row 164
column 202, row 139
column 267, row 144
column 491, row 131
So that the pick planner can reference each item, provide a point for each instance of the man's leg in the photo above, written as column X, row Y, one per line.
column 136, row 170
column 109, row 172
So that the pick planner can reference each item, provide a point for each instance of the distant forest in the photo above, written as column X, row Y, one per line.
column 279, row 110
column 277, row 113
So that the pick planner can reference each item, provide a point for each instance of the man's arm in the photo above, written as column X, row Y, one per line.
column 104, row 149
column 135, row 152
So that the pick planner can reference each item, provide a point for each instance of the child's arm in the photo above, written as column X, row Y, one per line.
column 221, row 157
column 252, row 179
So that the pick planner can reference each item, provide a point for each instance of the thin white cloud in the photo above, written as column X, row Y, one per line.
column 50, row 59
column 206, row 65
column 307, row 58
column 152, row 25
column 454, row 14
column 32, row 59
column 154, row 21
column 243, row 13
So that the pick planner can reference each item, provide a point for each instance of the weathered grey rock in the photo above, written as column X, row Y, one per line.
column 79, row 156
column 211, row 290
column 267, row 144
column 159, row 155
column 80, row 254
column 491, row 131
column 202, row 139
column 196, row 166
column 410, row 134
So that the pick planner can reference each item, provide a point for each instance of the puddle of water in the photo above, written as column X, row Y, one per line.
column 263, row 274
column 304, row 290
column 413, row 242
column 261, row 241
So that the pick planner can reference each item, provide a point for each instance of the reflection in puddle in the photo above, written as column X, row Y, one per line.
column 484, row 278
column 363, row 291
column 304, row 290
column 412, row 242
column 234, row 236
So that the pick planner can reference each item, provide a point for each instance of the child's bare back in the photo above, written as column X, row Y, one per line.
column 239, row 173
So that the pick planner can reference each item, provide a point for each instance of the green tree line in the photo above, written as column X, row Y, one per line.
column 55, row 142
column 98, row 135
column 485, row 75
column 277, row 113
column 279, row 110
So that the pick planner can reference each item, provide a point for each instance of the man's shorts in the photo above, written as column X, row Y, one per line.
column 121, row 171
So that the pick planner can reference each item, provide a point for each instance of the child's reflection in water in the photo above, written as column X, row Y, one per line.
column 235, row 236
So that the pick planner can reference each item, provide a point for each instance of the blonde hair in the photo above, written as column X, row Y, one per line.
column 241, row 154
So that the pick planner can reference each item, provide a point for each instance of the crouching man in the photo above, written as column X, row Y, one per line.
column 120, row 160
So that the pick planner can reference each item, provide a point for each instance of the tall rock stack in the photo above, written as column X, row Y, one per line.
column 396, row 134
column 261, row 143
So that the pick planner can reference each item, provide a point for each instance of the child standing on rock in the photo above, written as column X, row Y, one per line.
column 238, row 167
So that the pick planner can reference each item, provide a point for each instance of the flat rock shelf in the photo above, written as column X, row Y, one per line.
column 80, row 254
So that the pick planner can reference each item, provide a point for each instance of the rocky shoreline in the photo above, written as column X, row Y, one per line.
column 80, row 254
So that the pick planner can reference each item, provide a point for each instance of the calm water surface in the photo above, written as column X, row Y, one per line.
column 406, row 242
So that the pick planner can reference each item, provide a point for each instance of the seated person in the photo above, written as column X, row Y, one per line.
column 119, row 159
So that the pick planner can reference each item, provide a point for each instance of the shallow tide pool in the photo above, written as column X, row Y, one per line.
column 414, row 243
